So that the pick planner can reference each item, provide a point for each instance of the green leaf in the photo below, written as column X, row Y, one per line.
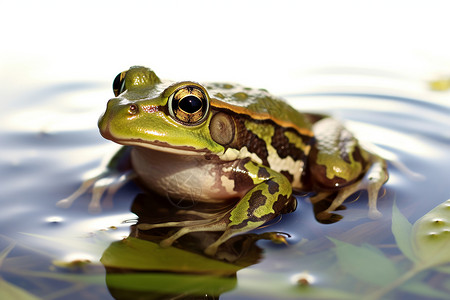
column 431, row 236
column 444, row 269
column 446, row 285
column 5, row 252
column 73, row 278
column 419, row 288
column 167, row 283
column 401, row 228
column 137, row 254
column 10, row 291
column 366, row 264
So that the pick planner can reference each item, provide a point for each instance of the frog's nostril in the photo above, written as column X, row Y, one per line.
column 133, row 109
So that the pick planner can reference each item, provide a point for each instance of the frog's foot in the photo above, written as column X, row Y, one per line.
column 107, row 181
column 208, row 226
column 372, row 181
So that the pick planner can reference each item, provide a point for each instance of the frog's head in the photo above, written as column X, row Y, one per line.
column 160, row 115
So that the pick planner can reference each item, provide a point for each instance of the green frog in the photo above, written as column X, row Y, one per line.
column 233, row 145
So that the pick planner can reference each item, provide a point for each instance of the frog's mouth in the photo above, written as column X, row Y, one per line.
column 159, row 146
column 165, row 147
column 153, row 145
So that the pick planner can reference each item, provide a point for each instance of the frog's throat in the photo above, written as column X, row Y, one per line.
column 163, row 147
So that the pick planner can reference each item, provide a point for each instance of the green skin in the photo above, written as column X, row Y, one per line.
column 243, row 146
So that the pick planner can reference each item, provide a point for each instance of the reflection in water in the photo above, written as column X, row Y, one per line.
column 183, row 272
column 152, row 208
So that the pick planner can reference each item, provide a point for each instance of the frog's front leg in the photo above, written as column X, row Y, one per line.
column 270, row 194
column 107, row 179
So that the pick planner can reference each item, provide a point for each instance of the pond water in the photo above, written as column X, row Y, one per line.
column 50, row 142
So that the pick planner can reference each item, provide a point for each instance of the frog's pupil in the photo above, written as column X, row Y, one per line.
column 190, row 104
column 118, row 83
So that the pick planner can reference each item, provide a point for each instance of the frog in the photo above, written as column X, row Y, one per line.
column 240, row 147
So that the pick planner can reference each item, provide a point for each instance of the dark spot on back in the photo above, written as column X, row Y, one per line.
column 263, row 173
column 273, row 186
column 284, row 148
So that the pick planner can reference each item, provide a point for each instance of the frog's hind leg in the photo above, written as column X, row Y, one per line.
column 256, row 208
column 338, row 163
column 372, row 181
column 219, row 225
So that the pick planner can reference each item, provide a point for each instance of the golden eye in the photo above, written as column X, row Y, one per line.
column 119, row 83
column 189, row 105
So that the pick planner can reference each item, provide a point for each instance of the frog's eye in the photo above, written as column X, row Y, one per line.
column 119, row 83
column 189, row 105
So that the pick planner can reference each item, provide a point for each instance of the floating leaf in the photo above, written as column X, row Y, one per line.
column 431, row 236
column 401, row 228
column 137, row 254
column 365, row 263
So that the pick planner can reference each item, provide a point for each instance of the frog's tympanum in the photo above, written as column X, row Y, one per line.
column 233, row 145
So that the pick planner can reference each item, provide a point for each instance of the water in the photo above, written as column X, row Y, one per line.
column 50, row 141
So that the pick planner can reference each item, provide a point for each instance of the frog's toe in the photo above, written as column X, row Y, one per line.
column 166, row 243
column 145, row 226
column 64, row 203
column 323, row 215
column 375, row 214
column 211, row 250
column 327, row 217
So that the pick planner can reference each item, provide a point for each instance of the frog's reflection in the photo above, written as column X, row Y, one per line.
column 241, row 249
column 138, row 268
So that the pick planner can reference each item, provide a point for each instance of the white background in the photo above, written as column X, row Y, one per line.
column 270, row 44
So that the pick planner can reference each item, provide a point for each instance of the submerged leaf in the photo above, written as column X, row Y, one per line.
column 365, row 263
column 423, row 289
column 5, row 252
column 444, row 269
column 10, row 291
column 431, row 236
column 171, row 284
column 401, row 228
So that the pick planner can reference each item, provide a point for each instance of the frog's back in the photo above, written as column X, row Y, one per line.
column 258, row 104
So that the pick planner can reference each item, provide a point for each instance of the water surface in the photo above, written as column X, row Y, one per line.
column 50, row 142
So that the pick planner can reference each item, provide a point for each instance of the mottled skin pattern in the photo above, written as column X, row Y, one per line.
column 241, row 147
